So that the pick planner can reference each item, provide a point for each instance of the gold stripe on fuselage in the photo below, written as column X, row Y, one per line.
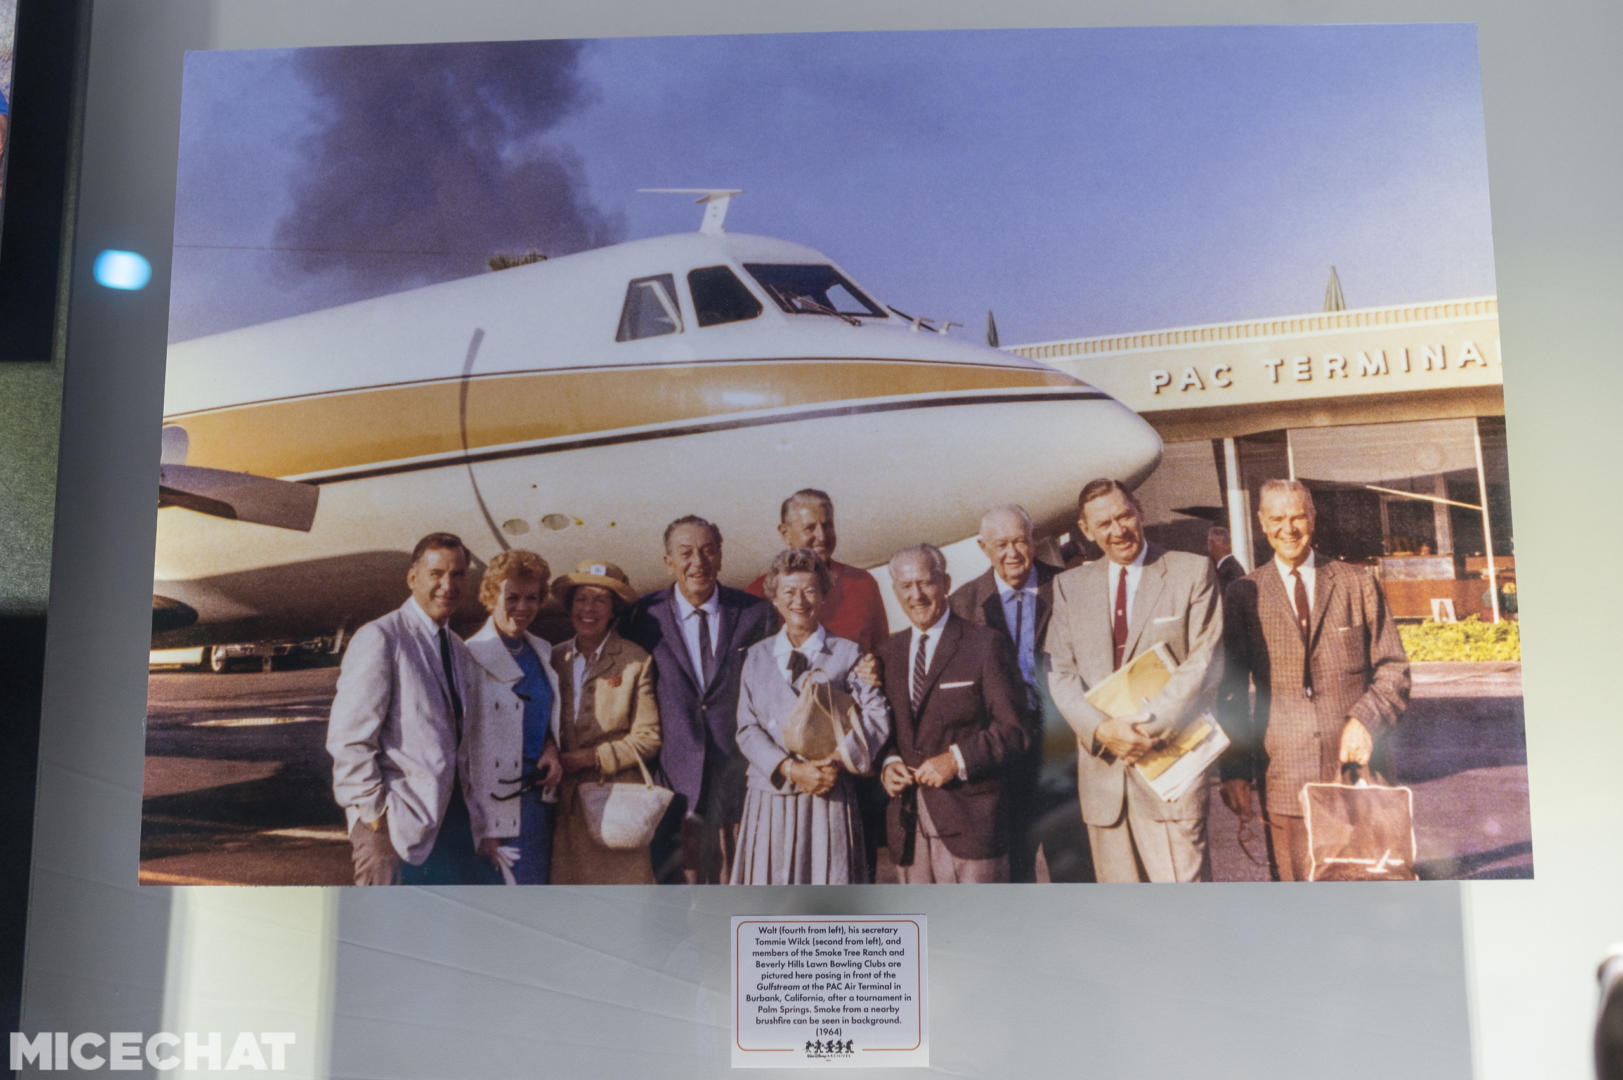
column 330, row 433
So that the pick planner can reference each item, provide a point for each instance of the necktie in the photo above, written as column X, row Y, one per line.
column 918, row 670
column 450, row 681
column 1303, row 612
column 1118, row 622
column 1303, row 609
column 707, row 658
column 797, row 666
column 1024, row 655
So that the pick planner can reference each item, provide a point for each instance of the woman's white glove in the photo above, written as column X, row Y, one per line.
column 506, row 857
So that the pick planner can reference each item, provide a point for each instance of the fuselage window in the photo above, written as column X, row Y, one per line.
column 813, row 290
column 719, row 297
column 650, row 309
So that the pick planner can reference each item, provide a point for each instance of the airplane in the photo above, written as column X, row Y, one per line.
column 575, row 406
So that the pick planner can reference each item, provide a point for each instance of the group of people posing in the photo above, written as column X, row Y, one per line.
column 467, row 762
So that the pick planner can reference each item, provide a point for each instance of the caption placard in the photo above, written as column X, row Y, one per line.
column 829, row 991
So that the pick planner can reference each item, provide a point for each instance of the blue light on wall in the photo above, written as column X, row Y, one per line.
column 122, row 270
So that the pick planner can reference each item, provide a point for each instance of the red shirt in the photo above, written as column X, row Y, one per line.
column 853, row 610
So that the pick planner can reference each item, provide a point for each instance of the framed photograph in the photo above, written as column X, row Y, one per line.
column 585, row 297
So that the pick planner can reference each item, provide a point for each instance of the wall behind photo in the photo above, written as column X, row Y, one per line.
column 30, row 417
column 1507, row 965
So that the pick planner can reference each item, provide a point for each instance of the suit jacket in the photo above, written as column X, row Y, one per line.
column 697, row 719
column 1176, row 605
column 766, row 699
column 392, row 733
column 493, row 737
column 973, row 698
column 978, row 602
column 1229, row 571
column 1358, row 666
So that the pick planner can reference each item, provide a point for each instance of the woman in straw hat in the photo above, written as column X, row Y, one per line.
column 510, row 743
column 802, row 824
column 610, row 721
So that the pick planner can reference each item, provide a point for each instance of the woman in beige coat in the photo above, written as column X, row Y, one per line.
column 609, row 719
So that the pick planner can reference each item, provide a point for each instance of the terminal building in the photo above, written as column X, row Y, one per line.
column 1392, row 416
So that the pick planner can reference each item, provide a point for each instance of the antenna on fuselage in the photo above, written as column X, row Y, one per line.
column 715, row 202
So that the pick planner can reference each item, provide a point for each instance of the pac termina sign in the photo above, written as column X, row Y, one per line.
column 1287, row 371
column 1366, row 363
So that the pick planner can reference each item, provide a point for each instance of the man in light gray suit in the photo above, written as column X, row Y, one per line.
column 1105, row 614
column 406, row 684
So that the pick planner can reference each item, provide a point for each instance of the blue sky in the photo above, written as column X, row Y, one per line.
column 1077, row 182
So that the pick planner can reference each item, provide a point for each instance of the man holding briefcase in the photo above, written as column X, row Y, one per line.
column 1317, row 639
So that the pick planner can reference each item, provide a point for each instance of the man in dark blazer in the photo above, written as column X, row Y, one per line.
column 1015, row 597
column 1317, row 640
column 1221, row 549
column 960, row 721
column 697, row 632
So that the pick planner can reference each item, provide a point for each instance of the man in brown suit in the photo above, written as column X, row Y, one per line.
column 1316, row 638
column 959, row 722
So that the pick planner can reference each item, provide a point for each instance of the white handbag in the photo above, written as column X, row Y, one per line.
column 623, row 815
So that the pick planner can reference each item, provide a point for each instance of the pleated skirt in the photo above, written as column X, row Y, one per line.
column 799, row 839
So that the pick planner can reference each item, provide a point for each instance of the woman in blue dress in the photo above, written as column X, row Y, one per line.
column 508, row 757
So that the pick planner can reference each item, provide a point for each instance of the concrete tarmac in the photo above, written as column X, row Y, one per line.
column 238, row 784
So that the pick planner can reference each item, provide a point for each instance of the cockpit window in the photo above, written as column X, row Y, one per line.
column 719, row 297
column 813, row 290
column 650, row 309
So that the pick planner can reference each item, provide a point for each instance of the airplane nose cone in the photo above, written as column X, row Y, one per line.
column 1138, row 444
column 1079, row 441
column 936, row 471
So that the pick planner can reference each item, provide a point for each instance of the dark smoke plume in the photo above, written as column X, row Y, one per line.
column 428, row 161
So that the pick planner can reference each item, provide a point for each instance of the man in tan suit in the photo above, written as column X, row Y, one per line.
column 1105, row 614
column 1317, row 639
